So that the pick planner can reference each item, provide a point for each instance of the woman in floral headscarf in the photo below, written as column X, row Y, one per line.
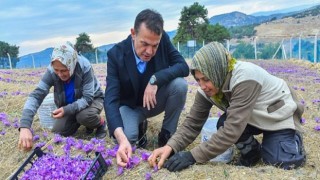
column 77, row 94
column 254, row 102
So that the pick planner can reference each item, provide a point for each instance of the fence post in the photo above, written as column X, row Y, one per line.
column 300, row 47
column 178, row 46
column 9, row 60
column 255, row 46
column 96, row 55
column 228, row 45
column 290, row 47
column 33, row 62
column 315, row 47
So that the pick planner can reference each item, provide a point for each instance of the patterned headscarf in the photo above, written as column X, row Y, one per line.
column 214, row 61
column 66, row 54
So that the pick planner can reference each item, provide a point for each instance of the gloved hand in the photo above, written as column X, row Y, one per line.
column 179, row 161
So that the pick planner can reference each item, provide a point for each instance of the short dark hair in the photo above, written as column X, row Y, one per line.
column 152, row 19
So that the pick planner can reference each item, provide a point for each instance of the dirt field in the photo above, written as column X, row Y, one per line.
column 304, row 77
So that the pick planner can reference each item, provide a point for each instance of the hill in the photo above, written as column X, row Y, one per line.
column 305, row 23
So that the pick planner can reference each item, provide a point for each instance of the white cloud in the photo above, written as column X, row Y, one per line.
column 39, row 45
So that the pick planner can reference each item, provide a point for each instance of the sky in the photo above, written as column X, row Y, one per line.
column 35, row 25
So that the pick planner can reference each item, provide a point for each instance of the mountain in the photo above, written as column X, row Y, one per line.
column 41, row 59
column 283, row 11
column 105, row 48
column 234, row 19
column 240, row 19
column 171, row 34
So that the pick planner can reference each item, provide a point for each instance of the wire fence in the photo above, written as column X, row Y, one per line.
column 302, row 47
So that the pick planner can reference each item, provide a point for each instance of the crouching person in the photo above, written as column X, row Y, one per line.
column 254, row 102
column 77, row 94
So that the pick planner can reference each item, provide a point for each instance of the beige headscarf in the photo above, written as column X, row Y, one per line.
column 214, row 61
column 66, row 54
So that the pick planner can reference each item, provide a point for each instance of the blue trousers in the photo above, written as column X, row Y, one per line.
column 171, row 99
column 282, row 148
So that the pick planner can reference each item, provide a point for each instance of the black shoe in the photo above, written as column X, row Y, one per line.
column 89, row 131
column 250, row 159
column 142, row 138
column 101, row 131
column 163, row 137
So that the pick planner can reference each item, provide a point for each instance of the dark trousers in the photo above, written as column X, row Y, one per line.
column 283, row 148
column 88, row 117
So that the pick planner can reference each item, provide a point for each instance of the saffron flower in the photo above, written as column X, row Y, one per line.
column 148, row 176
column 57, row 139
column 36, row 137
column 145, row 155
column 120, row 170
column 303, row 120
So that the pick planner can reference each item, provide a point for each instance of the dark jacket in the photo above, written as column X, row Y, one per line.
column 123, row 78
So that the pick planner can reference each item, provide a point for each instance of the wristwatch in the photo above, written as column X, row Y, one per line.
column 153, row 80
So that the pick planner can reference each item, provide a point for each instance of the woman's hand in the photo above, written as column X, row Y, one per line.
column 25, row 139
column 159, row 155
column 58, row 113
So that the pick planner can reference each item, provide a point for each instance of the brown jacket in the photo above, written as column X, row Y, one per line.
column 255, row 97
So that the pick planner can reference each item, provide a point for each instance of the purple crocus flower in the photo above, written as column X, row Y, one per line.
column 50, row 148
column 108, row 162
column 16, row 125
column 88, row 148
column 36, row 138
column 79, row 145
column 3, row 132
column 45, row 134
column 100, row 148
column 120, row 170
column 148, row 176
column 317, row 128
column 155, row 169
column 302, row 120
column 67, row 149
column 145, row 155
column 70, row 141
column 40, row 144
column 6, row 123
column 57, row 139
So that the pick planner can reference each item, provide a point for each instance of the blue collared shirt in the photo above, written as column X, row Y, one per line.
column 141, row 65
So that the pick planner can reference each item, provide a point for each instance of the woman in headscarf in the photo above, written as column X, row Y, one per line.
column 254, row 102
column 77, row 94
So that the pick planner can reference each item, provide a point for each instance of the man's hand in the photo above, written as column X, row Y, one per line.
column 25, row 139
column 149, row 97
column 125, row 151
column 58, row 113
column 179, row 161
column 163, row 153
